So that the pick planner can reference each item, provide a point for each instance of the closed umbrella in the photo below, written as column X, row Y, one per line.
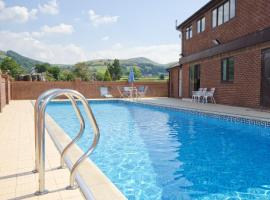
column 131, row 79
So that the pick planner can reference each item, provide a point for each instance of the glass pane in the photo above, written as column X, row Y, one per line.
column 203, row 24
column 220, row 15
column 190, row 32
column 214, row 18
column 232, row 8
column 199, row 26
column 224, row 70
column 231, row 69
column 191, row 73
column 226, row 12
column 197, row 72
column 187, row 34
column 266, row 63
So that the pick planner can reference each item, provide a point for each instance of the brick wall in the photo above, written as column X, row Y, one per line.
column 31, row 90
column 251, row 16
column 4, row 91
column 246, row 88
column 174, row 82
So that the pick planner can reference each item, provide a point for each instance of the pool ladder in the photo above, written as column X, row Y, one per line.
column 40, row 125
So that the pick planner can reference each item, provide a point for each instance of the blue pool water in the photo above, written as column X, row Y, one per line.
column 152, row 153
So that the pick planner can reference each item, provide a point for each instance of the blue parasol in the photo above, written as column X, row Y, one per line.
column 131, row 77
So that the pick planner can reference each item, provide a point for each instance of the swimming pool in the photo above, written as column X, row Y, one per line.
column 153, row 153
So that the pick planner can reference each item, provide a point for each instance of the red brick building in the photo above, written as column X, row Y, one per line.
column 226, row 45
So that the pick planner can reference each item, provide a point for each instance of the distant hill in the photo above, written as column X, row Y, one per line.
column 25, row 62
column 147, row 66
column 2, row 55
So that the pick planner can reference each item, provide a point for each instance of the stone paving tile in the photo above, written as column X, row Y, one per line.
column 17, row 158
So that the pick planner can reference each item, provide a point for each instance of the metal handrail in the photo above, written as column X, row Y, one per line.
column 91, row 148
column 41, row 133
column 37, row 106
column 80, row 133
column 40, row 142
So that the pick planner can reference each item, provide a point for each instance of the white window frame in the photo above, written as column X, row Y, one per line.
column 218, row 17
column 189, row 32
column 201, row 25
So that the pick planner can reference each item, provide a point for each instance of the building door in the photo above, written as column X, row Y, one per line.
column 194, row 78
column 266, row 78
column 180, row 83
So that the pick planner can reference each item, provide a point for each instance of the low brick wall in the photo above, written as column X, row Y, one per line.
column 5, row 94
column 31, row 90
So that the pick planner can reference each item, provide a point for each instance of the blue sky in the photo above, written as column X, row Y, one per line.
column 68, row 31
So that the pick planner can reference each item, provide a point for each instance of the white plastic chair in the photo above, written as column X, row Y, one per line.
column 124, row 91
column 209, row 94
column 196, row 95
column 141, row 92
column 104, row 92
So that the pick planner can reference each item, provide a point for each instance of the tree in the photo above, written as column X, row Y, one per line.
column 40, row 68
column 11, row 67
column 137, row 72
column 54, row 72
column 107, row 76
column 161, row 77
column 82, row 71
column 100, row 76
column 67, row 75
column 115, row 70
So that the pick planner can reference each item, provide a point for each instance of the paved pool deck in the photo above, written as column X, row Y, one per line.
column 248, row 113
column 17, row 158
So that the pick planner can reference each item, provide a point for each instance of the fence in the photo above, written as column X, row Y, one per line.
column 31, row 90
column 4, row 91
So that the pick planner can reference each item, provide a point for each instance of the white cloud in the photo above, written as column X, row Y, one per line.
column 18, row 14
column 2, row 5
column 50, row 8
column 59, row 29
column 25, row 44
column 105, row 38
column 117, row 46
column 163, row 53
column 97, row 20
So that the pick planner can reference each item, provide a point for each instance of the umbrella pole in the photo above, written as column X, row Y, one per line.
column 132, row 90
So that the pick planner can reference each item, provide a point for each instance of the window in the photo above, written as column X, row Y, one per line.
column 226, row 11
column 198, row 26
column 223, row 13
column 189, row 32
column 227, row 70
column 232, row 9
column 201, row 25
column 214, row 18
column 220, row 15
